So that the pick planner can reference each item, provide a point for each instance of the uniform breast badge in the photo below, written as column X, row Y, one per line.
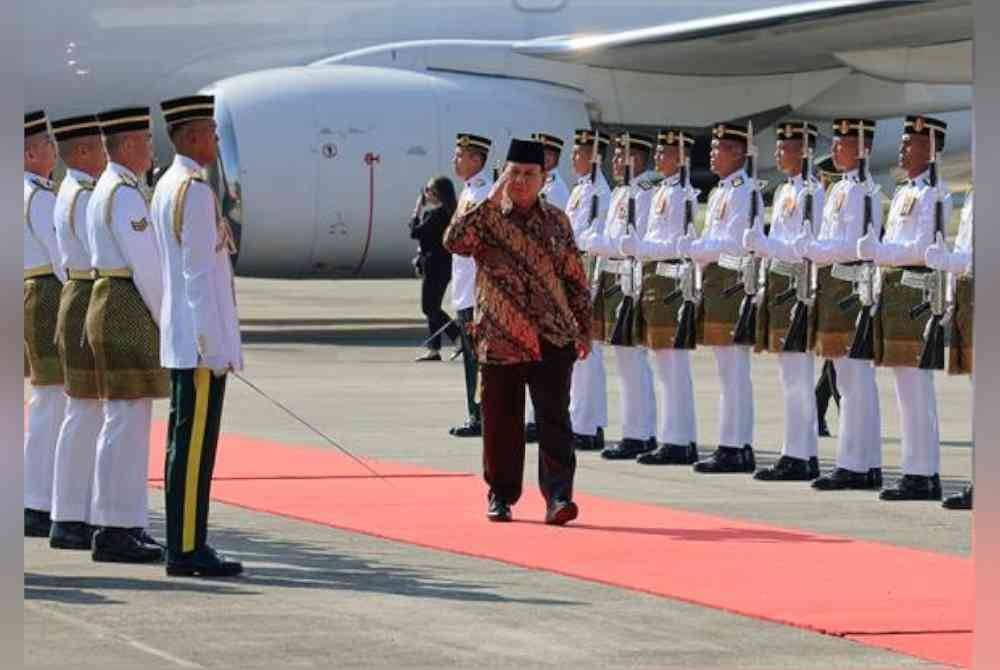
column 139, row 225
column 908, row 204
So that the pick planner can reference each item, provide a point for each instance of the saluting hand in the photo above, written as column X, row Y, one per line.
column 498, row 194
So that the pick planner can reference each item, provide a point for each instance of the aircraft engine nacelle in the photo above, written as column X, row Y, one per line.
column 320, row 166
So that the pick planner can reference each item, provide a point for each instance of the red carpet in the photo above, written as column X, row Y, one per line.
column 914, row 602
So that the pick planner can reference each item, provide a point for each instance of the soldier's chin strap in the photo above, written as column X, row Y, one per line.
column 308, row 425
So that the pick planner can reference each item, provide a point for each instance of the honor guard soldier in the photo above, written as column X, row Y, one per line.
column 958, row 263
column 720, row 250
column 672, row 208
column 82, row 151
column 920, row 209
column 199, row 331
column 471, row 154
column 587, row 209
column 555, row 192
column 620, row 285
column 122, row 329
column 849, row 203
column 43, row 278
column 787, row 325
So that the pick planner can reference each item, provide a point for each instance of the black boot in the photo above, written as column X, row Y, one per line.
column 627, row 449
column 790, row 469
column 121, row 545
column 671, row 454
column 842, row 479
column 914, row 487
column 203, row 562
column 961, row 500
column 71, row 535
column 727, row 460
column 36, row 523
column 471, row 428
column 530, row 433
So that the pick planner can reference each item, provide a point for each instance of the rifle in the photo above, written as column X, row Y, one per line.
column 863, row 344
column 805, row 280
column 621, row 335
column 936, row 298
column 753, row 288
column 595, row 205
column 690, row 279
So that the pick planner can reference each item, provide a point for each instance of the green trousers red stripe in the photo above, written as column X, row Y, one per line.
column 192, row 439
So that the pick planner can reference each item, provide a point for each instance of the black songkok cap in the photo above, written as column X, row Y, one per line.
column 124, row 120
column 585, row 137
column 476, row 142
column 75, row 126
column 730, row 131
column 35, row 122
column 797, row 130
column 635, row 141
column 548, row 141
column 188, row 108
column 672, row 137
column 923, row 125
column 526, row 151
column 849, row 128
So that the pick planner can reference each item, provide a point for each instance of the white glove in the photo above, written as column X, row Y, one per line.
column 219, row 365
column 684, row 244
column 802, row 244
column 868, row 246
column 628, row 244
column 754, row 240
column 937, row 255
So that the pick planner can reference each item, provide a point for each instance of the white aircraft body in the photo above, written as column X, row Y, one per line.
column 333, row 114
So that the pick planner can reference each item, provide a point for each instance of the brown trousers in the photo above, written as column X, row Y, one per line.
column 503, row 424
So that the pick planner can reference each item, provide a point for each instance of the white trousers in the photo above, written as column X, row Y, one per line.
column 588, row 394
column 677, row 423
column 122, row 468
column 638, row 401
column 918, row 415
column 529, row 408
column 859, row 446
column 736, row 401
column 798, row 387
column 46, row 405
column 76, row 452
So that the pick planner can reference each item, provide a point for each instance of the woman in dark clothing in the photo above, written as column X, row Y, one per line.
column 433, row 214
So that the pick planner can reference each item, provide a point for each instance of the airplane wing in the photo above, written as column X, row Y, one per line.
column 885, row 38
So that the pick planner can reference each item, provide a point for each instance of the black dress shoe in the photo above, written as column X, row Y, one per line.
column 71, row 535
column 36, row 523
column 203, row 562
column 498, row 510
column 914, row 487
column 728, row 460
column 671, row 454
column 144, row 537
column 842, row 479
column 961, row 500
column 468, row 429
column 561, row 512
column 790, row 469
column 120, row 545
column 530, row 433
column 824, row 430
column 628, row 448
column 584, row 442
column 430, row 355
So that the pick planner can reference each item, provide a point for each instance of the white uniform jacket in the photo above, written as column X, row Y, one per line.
column 555, row 191
column 71, row 221
column 199, row 326
column 463, row 268
column 120, row 235
column 578, row 207
column 40, row 245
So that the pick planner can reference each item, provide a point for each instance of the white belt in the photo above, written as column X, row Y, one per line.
column 845, row 272
column 670, row 270
column 612, row 266
column 731, row 262
column 917, row 280
column 784, row 268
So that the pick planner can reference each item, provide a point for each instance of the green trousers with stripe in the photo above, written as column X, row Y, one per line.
column 192, row 437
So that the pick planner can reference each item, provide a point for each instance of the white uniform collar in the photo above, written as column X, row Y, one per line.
column 80, row 176
column 739, row 174
column 122, row 171
column 922, row 177
column 673, row 179
column 31, row 176
column 850, row 175
column 479, row 175
column 187, row 164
